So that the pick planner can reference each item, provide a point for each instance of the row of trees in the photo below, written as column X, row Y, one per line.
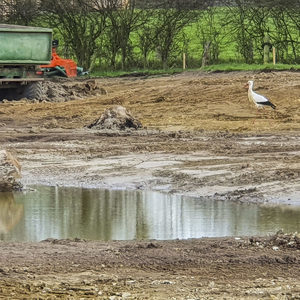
column 115, row 34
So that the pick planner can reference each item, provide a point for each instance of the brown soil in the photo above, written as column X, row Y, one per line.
column 201, row 137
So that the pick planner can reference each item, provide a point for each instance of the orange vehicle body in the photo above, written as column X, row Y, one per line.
column 70, row 67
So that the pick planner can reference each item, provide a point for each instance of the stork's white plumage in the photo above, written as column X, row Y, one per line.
column 259, row 100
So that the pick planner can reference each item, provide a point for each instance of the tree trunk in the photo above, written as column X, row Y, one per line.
column 205, row 57
column 267, row 46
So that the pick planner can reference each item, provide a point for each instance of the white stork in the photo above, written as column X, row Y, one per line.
column 259, row 100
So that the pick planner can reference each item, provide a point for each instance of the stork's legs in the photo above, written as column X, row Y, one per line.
column 259, row 111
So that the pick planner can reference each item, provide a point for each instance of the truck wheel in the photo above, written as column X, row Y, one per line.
column 34, row 90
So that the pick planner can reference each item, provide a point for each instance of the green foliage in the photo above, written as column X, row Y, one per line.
column 230, row 42
column 155, row 38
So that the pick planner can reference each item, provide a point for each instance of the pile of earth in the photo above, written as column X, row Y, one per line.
column 116, row 118
column 277, row 241
column 61, row 90
column 57, row 90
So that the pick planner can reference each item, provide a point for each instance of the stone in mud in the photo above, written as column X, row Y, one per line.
column 116, row 118
column 10, row 171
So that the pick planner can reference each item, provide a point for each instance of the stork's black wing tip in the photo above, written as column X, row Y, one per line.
column 267, row 103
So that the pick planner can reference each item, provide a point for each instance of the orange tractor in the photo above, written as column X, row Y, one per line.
column 60, row 66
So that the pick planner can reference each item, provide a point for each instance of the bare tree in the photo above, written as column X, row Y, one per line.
column 252, row 20
column 3, row 13
column 79, row 25
column 286, row 39
column 168, row 23
column 212, row 31
column 22, row 12
column 122, row 20
column 145, row 42
column 239, row 25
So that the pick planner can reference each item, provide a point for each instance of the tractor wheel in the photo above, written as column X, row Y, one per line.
column 34, row 90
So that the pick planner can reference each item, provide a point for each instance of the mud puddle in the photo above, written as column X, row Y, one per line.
column 101, row 214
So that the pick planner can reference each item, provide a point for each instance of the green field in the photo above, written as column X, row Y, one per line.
column 228, row 50
column 216, row 38
column 212, row 68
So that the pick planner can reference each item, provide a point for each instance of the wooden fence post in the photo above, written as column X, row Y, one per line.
column 274, row 56
column 183, row 61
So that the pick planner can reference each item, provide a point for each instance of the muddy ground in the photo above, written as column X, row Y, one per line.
column 202, row 137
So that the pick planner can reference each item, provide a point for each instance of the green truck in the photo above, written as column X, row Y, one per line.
column 22, row 50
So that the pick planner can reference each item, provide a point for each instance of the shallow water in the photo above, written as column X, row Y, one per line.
column 60, row 212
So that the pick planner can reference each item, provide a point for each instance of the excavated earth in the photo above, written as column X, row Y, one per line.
column 202, row 137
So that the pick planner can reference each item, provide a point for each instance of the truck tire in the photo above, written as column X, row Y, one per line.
column 34, row 90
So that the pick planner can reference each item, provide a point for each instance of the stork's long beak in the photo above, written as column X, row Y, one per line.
column 246, row 86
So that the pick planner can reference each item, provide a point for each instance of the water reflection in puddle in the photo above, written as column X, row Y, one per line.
column 52, row 212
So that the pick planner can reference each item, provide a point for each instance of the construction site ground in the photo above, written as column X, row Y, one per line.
column 201, row 137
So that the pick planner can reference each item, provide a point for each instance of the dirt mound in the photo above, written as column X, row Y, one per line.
column 278, row 241
column 116, row 118
column 65, row 90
